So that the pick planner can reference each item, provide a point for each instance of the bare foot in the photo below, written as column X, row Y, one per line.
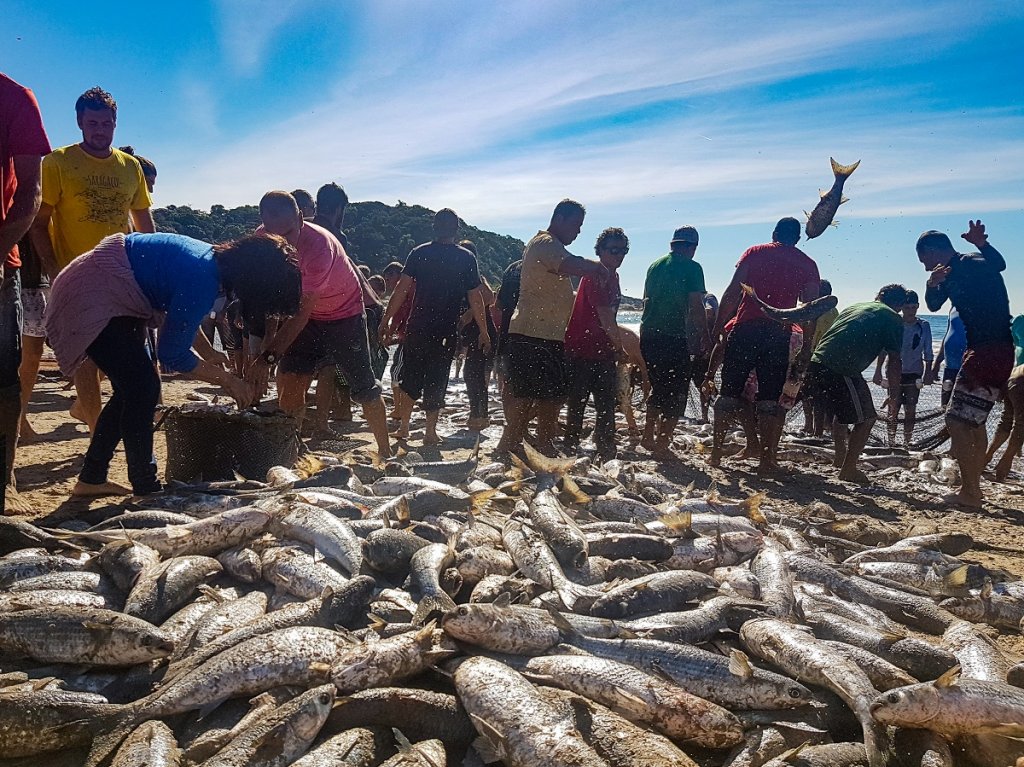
column 86, row 490
column 15, row 504
column 649, row 444
column 76, row 413
column 963, row 499
column 855, row 475
column 401, row 434
column 26, row 434
column 432, row 439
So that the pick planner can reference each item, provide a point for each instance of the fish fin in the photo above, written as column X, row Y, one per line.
column 807, row 216
column 572, row 490
column 843, row 199
column 627, row 695
column 790, row 755
column 561, row 623
column 986, row 590
column 491, row 746
column 660, row 673
column 752, row 507
column 503, row 600
column 480, row 498
column 541, row 464
column 957, row 578
column 948, row 678
column 106, row 743
column 404, row 745
column 376, row 622
column 739, row 664
column 712, row 496
column 431, row 604
column 893, row 635
column 835, row 224
column 621, row 632
column 681, row 522
column 843, row 170
column 318, row 667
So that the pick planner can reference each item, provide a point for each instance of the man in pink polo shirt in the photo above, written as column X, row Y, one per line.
column 330, row 328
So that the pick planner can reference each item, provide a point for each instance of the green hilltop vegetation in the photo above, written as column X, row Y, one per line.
column 378, row 234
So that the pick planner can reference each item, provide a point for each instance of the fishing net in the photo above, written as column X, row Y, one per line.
column 211, row 442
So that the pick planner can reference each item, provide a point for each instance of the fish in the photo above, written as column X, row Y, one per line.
column 658, row 593
column 151, row 744
column 44, row 721
column 320, row 529
column 795, row 650
column 426, row 753
column 808, row 312
column 821, row 217
column 514, row 721
column 355, row 747
column 953, row 706
column 162, row 589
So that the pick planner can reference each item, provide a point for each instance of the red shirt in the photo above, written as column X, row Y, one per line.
column 400, row 322
column 585, row 338
column 778, row 274
column 21, row 132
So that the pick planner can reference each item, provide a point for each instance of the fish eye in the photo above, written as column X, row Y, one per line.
column 324, row 698
column 893, row 697
column 796, row 693
column 462, row 610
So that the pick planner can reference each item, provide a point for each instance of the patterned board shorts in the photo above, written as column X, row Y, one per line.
column 33, row 301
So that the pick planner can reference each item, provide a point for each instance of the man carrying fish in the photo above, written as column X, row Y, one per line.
column 535, row 348
column 674, row 320
column 780, row 274
column 835, row 374
column 971, row 281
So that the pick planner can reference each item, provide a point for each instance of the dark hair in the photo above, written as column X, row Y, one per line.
column 611, row 233
column 95, row 99
column 394, row 266
column 568, row 208
column 260, row 271
column 446, row 222
column 148, row 166
column 825, row 289
column 304, row 199
column 331, row 197
column 468, row 245
column 892, row 295
column 933, row 240
column 365, row 271
column 912, row 298
column 377, row 283
column 787, row 231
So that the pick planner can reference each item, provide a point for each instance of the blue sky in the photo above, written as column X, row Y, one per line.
column 653, row 114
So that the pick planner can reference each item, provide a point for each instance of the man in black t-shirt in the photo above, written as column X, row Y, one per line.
column 445, row 275
column 974, row 285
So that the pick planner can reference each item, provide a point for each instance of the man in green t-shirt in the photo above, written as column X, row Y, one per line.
column 835, row 374
column 673, row 302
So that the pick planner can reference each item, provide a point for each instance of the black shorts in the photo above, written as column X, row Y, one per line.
column 536, row 367
column 342, row 343
column 761, row 346
column 847, row 396
column 909, row 393
column 668, row 367
column 425, row 369
column 396, row 365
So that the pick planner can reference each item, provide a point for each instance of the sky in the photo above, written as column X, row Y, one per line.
column 721, row 115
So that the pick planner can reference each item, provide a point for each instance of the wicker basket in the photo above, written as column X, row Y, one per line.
column 206, row 444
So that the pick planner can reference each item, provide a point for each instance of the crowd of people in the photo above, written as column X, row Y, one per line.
column 86, row 270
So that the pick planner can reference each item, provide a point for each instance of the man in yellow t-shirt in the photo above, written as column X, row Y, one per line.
column 537, row 381
column 89, row 191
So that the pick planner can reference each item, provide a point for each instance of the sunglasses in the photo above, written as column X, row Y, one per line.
column 617, row 251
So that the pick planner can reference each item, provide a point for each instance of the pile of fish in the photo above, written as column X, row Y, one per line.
column 456, row 613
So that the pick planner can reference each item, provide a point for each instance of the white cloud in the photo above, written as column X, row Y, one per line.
column 248, row 26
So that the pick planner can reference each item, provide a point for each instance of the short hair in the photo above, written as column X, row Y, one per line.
column 331, row 197
column 611, row 233
column 446, row 221
column 825, row 289
column 278, row 204
column 377, row 283
column 304, row 199
column 468, row 245
column 912, row 299
column 892, row 295
column 95, row 99
column 934, row 240
column 148, row 166
column 392, row 268
column 260, row 271
column 787, row 231
column 364, row 270
column 568, row 208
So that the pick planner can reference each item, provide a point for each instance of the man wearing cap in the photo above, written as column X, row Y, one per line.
column 971, row 281
column 780, row 274
column 673, row 321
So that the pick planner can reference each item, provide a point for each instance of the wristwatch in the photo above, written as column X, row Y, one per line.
column 270, row 357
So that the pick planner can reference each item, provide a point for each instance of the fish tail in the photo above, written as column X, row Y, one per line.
column 843, row 171
column 112, row 732
column 752, row 507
